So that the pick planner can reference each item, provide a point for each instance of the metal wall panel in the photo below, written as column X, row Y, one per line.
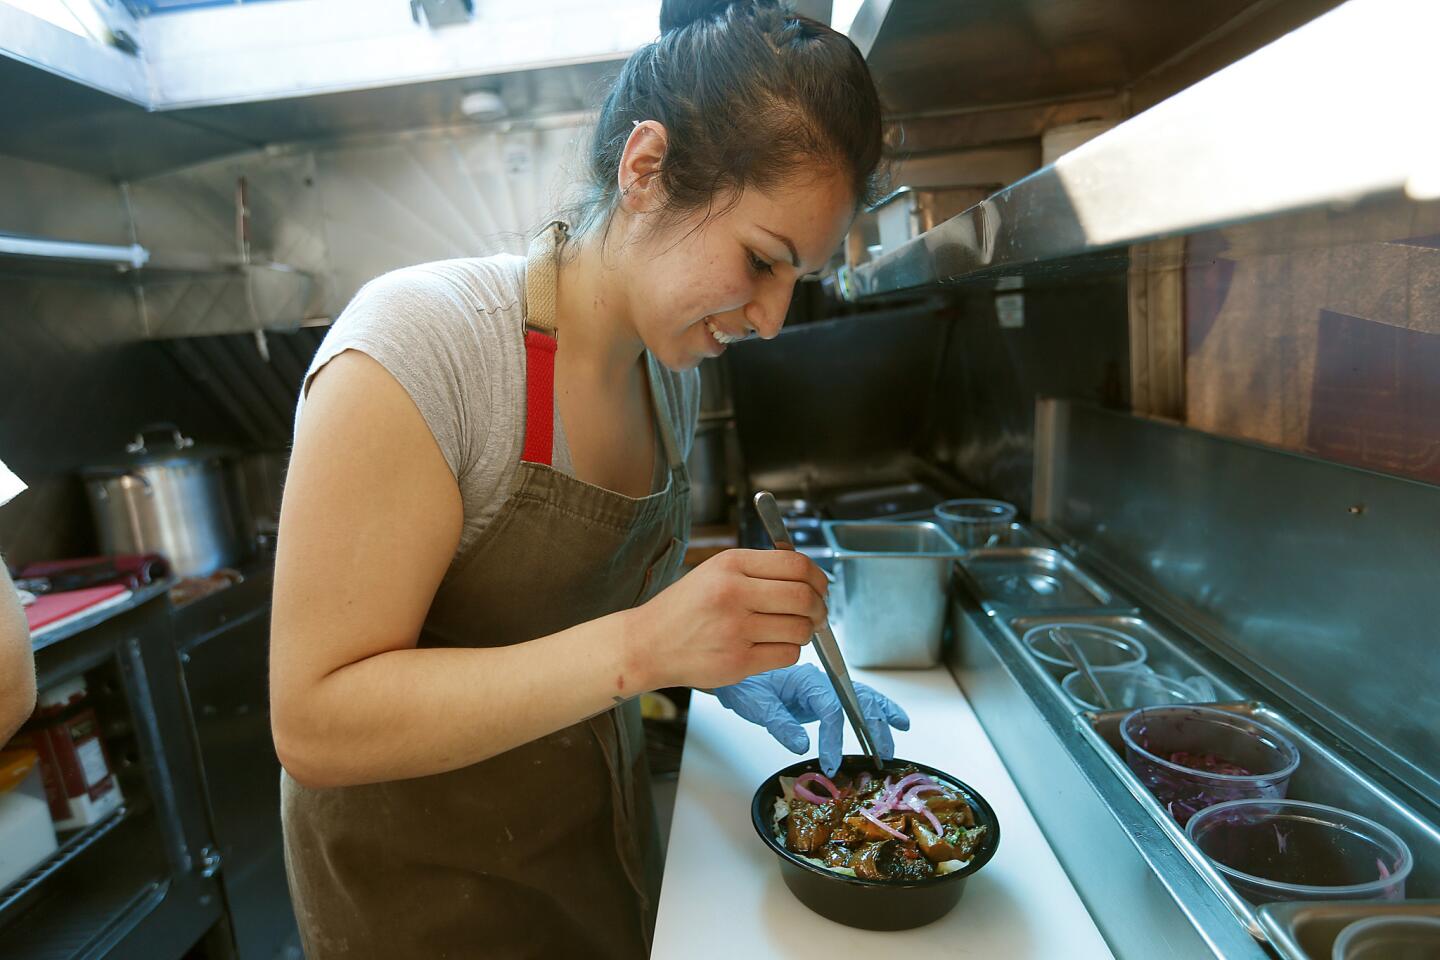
column 826, row 396
column 76, row 382
column 77, row 373
column 1319, row 579
column 437, row 195
column 347, row 212
column 1008, row 347
column 45, row 201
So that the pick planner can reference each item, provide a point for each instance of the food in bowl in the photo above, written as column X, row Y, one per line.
column 906, row 826
column 840, row 893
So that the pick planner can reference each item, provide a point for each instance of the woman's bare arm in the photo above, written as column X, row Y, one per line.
column 17, row 661
column 370, row 520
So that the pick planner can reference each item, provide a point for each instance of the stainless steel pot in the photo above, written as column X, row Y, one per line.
column 177, row 500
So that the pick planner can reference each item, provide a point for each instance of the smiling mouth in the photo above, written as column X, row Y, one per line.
column 720, row 335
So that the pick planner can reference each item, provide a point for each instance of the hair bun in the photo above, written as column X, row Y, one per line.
column 675, row 14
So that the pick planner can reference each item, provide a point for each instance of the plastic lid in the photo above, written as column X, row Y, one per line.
column 155, row 444
column 15, row 765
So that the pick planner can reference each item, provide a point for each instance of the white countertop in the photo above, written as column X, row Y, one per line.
column 723, row 897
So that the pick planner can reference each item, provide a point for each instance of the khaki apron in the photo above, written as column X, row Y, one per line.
column 550, row 849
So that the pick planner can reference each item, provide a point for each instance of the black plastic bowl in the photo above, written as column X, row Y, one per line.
column 871, row 904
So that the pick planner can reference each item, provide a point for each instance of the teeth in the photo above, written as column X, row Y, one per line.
column 721, row 335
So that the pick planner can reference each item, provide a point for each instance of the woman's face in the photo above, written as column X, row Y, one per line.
column 703, row 283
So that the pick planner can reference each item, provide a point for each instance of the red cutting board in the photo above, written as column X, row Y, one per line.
column 50, row 607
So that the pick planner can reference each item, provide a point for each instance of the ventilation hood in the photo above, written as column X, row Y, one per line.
column 215, row 80
column 939, row 56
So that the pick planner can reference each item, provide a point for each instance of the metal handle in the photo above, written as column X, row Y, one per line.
column 769, row 511
column 181, row 441
column 825, row 645
column 1072, row 652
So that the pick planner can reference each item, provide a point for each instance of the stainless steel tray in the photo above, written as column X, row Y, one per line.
column 1025, row 579
column 1324, row 777
column 1307, row 931
column 1019, row 535
column 902, row 500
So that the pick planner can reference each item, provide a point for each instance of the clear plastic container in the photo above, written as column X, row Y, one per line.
column 1101, row 646
column 973, row 522
column 1273, row 850
column 1194, row 757
column 1128, row 687
column 1389, row 938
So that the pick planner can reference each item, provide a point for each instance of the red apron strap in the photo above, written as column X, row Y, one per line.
column 539, row 397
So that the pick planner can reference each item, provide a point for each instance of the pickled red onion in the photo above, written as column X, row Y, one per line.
column 805, row 794
column 911, row 779
column 915, row 804
column 918, row 789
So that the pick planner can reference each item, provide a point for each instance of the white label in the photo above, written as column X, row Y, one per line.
column 92, row 761
column 1010, row 309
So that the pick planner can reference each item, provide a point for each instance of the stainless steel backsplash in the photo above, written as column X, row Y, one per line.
column 75, row 385
column 837, row 393
column 1069, row 341
column 1318, row 579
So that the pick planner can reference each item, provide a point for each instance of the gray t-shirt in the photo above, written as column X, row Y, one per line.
column 452, row 333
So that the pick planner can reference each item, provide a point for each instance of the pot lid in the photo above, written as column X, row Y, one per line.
column 155, row 444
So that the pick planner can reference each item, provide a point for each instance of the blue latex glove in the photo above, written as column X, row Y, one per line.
column 781, row 700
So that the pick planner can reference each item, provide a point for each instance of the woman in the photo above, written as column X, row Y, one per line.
column 477, row 526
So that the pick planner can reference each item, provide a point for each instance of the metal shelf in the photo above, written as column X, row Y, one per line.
column 245, row 296
column 106, row 900
column 46, row 250
column 74, row 845
column 1283, row 131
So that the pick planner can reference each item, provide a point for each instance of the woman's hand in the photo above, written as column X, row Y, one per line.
column 780, row 701
column 739, row 613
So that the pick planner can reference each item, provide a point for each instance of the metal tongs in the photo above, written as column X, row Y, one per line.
column 823, row 639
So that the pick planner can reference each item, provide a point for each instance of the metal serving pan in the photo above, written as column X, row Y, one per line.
column 900, row 501
column 1024, row 579
column 1323, row 776
column 1307, row 931
column 892, row 583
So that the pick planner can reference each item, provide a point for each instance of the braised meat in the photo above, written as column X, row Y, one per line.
column 905, row 827
column 952, row 842
column 891, row 860
column 808, row 826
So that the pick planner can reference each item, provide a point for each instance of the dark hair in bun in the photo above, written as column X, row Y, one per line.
column 751, row 95
column 675, row 14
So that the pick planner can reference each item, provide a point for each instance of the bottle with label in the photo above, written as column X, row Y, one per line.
column 65, row 732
